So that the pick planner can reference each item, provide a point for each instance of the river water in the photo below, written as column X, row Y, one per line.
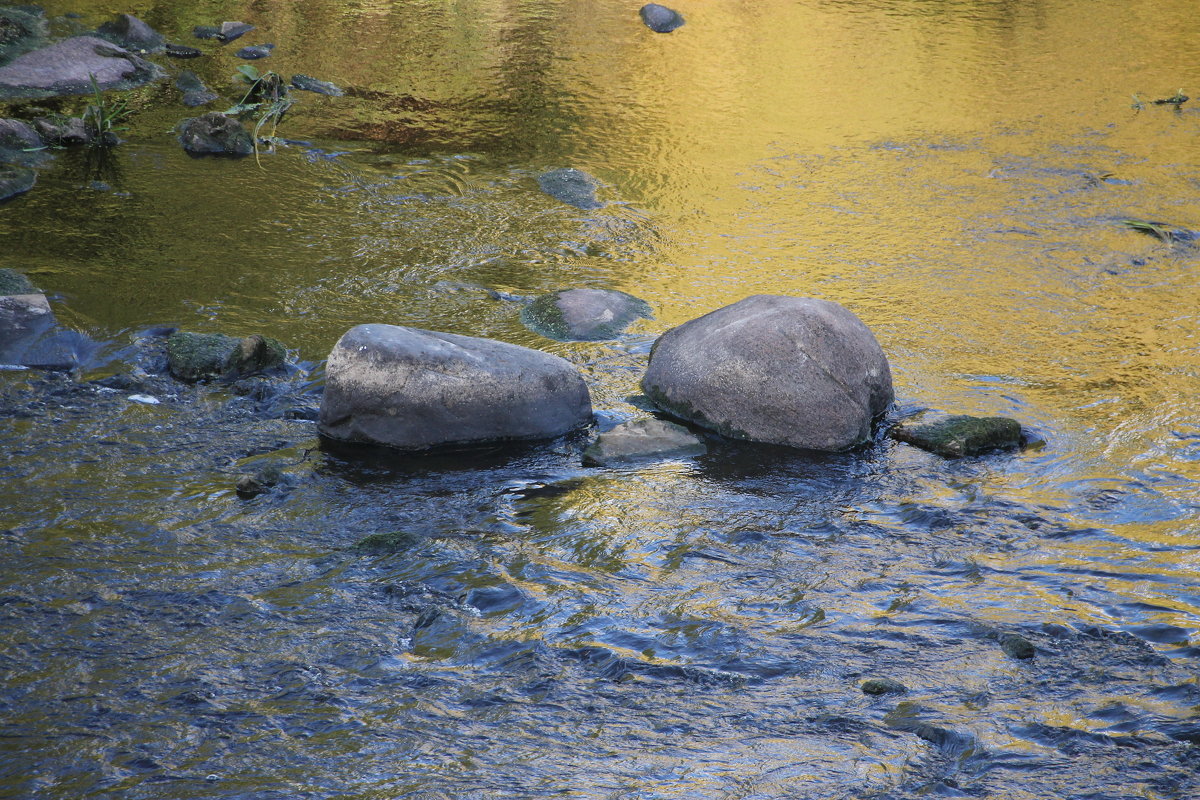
column 954, row 172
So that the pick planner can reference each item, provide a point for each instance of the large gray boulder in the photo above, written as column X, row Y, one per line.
column 414, row 389
column 68, row 67
column 783, row 370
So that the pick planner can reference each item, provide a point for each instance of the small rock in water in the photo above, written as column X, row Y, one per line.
column 255, row 51
column 64, row 132
column 640, row 439
column 584, row 314
column 15, row 180
column 132, row 34
column 572, row 186
column 660, row 19
column 232, row 30
column 215, row 134
column 308, row 84
column 201, row 356
column 20, row 144
column 883, row 686
column 195, row 93
column 180, row 51
column 1015, row 645
column 958, row 435
column 206, row 32
column 144, row 399
column 252, row 485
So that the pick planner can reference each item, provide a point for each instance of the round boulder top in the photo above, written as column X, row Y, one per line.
column 584, row 314
column 794, row 371
column 414, row 389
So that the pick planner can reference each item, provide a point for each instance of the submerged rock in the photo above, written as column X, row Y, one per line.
column 68, row 67
column 883, row 686
column 182, row 51
column 641, row 439
column 131, row 33
column 19, row 143
column 15, row 180
column 255, row 51
column 204, row 356
column 13, row 282
column 307, row 84
column 206, row 32
column 572, row 186
column 959, row 435
column 783, row 370
column 215, row 134
column 584, row 314
column 414, row 389
column 63, row 131
column 660, row 19
column 22, row 28
column 195, row 93
column 1015, row 645
column 253, row 484
column 233, row 30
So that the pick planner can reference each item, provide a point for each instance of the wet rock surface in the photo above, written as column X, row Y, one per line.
column 413, row 389
column 955, row 436
column 132, row 34
column 69, row 66
column 642, row 439
column 13, row 282
column 195, row 93
column 18, row 141
column 571, row 186
column 660, row 19
column 215, row 134
column 308, row 84
column 584, row 314
column 208, row 356
column 23, row 319
column 255, row 51
column 882, row 686
column 15, row 180
column 781, row 370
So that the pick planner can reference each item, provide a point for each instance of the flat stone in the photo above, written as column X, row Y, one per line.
column 584, row 314
column 67, row 67
column 414, row 389
column 792, row 371
column 233, row 30
column 255, row 51
column 660, row 19
column 958, row 435
column 643, row 439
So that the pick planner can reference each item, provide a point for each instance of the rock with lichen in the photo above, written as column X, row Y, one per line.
column 955, row 436
column 195, row 357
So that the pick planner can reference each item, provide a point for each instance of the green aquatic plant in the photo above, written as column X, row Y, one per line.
column 1137, row 104
column 266, row 100
column 1177, row 99
column 103, row 117
column 1158, row 230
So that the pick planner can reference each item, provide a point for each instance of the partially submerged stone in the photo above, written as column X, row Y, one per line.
column 1015, row 645
column 255, row 51
column 414, row 389
column 206, row 356
column 24, row 318
column 20, row 143
column 63, row 131
column 643, row 439
column 69, row 67
column 792, row 371
column 195, row 93
column 958, row 435
column 182, row 51
column 572, row 186
column 13, row 282
column 250, row 485
column 883, row 686
column 660, row 19
column 134, row 35
column 15, row 180
column 584, row 314
column 22, row 28
column 233, row 30
column 215, row 134
column 308, row 84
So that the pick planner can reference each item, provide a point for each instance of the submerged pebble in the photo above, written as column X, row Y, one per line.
column 660, row 19
column 572, row 186
column 584, row 314
column 255, row 51
column 308, row 84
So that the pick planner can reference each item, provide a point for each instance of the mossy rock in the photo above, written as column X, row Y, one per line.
column 883, row 686
column 390, row 542
column 959, row 435
column 13, row 282
column 1015, row 645
column 205, row 356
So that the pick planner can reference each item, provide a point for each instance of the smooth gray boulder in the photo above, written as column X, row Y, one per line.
column 955, row 436
column 215, row 134
column 67, row 67
column 660, row 19
column 23, row 319
column 643, row 439
column 572, row 186
column 782, row 370
column 414, row 389
column 588, row 315
column 131, row 33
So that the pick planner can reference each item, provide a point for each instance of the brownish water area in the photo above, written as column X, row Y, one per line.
column 955, row 173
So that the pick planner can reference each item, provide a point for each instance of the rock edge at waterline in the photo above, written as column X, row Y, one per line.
column 413, row 389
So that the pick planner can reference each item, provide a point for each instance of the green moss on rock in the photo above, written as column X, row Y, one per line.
column 206, row 356
column 13, row 282
column 390, row 542
column 883, row 686
column 959, row 435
